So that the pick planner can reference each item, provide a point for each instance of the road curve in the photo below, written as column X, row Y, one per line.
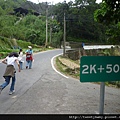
column 42, row 90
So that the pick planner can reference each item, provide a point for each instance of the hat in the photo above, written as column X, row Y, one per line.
column 30, row 47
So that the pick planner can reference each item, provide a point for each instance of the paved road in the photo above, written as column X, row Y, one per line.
column 42, row 90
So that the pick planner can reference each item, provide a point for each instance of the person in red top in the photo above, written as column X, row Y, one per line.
column 29, row 57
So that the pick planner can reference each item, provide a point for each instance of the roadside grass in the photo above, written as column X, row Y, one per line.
column 68, row 72
column 60, row 67
column 115, row 84
column 65, row 69
column 5, row 52
column 12, row 45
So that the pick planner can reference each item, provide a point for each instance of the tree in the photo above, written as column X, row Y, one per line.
column 109, row 14
column 80, row 24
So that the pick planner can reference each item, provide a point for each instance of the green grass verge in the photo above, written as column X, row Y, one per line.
column 63, row 69
column 12, row 45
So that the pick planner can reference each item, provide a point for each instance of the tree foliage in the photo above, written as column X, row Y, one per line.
column 109, row 14
column 79, row 17
column 28, row 28
column 80, row 23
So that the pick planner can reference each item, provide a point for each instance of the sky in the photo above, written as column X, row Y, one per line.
column 54, row 1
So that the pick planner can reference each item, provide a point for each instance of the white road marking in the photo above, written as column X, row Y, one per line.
column 55, row 68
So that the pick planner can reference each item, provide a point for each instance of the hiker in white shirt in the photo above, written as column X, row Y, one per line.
column 20, row 58
column 10, row 71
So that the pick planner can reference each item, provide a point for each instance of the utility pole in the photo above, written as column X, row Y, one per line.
column 46, row 25
column 50, row 33
column 64, row 36
column 51, row 26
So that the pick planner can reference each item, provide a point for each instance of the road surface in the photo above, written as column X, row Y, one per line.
column 43, row 90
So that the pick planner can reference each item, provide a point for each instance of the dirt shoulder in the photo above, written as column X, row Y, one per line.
column 72, row 68
column 67, row 66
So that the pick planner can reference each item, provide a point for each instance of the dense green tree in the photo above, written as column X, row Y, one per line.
column 6, row 25
column 1, row 11
column 109, row 14
column 29, row 28
column 80, row 24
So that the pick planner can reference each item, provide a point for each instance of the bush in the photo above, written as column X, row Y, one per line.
column 12, row 45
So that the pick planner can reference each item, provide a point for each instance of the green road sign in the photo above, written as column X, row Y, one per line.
column 99, row 68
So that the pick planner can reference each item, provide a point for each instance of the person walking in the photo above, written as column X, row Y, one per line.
column 20, row 58
column 29, row 57
column 10, row 71
column 83, row 44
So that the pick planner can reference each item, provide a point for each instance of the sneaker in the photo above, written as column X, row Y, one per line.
column 0, row 89
column 11, row 92
column 26, row 67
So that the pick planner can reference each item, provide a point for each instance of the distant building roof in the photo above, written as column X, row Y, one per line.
column 24, row 11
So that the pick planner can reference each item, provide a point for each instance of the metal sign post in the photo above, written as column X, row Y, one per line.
column 102, row 94
column 100, row 69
